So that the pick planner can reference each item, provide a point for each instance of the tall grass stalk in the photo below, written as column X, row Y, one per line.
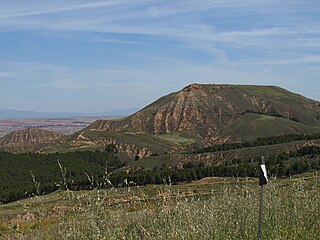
column 291, row 211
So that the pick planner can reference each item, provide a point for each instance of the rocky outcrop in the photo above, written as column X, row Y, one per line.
column 192, row 109
column 130, row 149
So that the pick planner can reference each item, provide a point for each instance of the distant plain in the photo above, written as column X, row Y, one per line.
column 61, row 125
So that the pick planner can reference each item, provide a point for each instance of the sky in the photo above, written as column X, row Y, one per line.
column 95, row 56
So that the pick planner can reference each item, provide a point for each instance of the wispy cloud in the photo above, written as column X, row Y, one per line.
column 188, row 21
column 195, row 23
column 157, row 46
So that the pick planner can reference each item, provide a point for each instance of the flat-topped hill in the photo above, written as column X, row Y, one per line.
column 222, row 113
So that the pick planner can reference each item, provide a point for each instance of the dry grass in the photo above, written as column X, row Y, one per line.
column 213, row 211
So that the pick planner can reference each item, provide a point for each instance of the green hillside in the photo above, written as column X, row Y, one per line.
column 251, row 126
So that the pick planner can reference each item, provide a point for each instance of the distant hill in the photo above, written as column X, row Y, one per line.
column 27, row 140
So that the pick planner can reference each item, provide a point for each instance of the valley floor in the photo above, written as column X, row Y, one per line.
column 211, row 208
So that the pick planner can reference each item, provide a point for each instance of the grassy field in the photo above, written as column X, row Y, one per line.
column 211, row 208
column 181, row 138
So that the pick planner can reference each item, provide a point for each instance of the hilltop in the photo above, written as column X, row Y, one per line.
column 209, row 114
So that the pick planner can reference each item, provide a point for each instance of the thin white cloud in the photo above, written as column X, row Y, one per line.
column 247, row 41
column 18, row 9
column 180, row 20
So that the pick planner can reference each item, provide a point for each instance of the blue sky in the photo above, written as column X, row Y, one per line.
column 93, row 56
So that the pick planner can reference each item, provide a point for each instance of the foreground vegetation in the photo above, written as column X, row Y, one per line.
column 212, row 209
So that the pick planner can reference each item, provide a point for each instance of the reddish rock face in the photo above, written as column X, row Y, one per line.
column 191, row 87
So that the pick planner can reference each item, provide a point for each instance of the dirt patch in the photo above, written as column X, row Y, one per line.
column 216, row 180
